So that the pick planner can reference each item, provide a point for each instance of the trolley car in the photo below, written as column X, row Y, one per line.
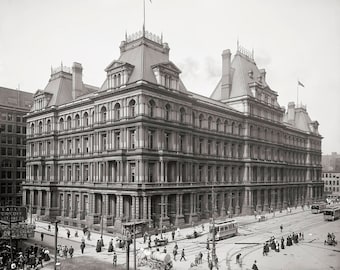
column 223, row 229
column 331, row 214
column 317, row 208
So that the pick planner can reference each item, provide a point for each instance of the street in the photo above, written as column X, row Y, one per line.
column 310, row 253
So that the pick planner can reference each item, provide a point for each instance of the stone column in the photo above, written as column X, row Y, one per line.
column 284, row 206
column 179, row 220
column 237, row 204
column 265, row 205
column 222, row 212
column 259, row 203
column 137, row 208
column 279, row 200
column 149, row 210
column 145, row 207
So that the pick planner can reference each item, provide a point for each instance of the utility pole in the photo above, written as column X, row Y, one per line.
column 56, row 244
column 213, row 251
column 134, row 246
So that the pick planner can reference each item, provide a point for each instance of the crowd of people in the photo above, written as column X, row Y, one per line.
column 29, row 258
column 277, row 244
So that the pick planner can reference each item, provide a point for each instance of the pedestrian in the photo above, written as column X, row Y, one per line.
column 70, row 251
column 238, row 258
column 145, row 237
column 216, row 262
column 68, row 233
column 82, row 247
column 65, row 250
column 88, row 235
column 255, row 214
column 281, row 227
column 42, row 237
column 114, row 259
column 99, row 246
column 183, row 255
column 254, row 267
column 164, row 250
column 200, row 257
column 174, row 252
column 49, row 227
column 110, row 249
column 173, row 235
column 208, row 247
column 76, row 234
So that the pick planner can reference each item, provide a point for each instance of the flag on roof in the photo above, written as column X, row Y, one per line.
column 301, row 84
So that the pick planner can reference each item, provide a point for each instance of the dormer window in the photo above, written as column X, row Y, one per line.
column 41, row 100
column 118, row 74
column 167, row 74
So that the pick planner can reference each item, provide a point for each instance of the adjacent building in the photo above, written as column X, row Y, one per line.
column 143, row 148
column 14, row 104
column 331, row 183
column 331, row 163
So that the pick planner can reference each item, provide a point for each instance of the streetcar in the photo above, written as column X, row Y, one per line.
column 331, row 214
column 317, row 208
column 223, row 229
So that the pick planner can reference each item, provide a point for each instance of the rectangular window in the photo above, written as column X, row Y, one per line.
column 61, row 147
column 103, row 142
column 86, row 145
column 166, row 140
column 69, row 147
column 77, row 172
column 217, row 149
column 132, row 139
column 18, row 129
column 86, row 172
column 181, row 143
column 61, row 173
column 9, row 128
column 150, row 172
column 209, row 147
column 9, row 151
column 132, row 172
column 78, row 145
column 69, row 173
column 201, row 146
column 117, row 139
column 18, row 119
column 151, row 135
column 9, row 140
column 48, row 149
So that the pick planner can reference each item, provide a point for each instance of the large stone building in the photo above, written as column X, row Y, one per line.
column 14, row 104
column 143, row 148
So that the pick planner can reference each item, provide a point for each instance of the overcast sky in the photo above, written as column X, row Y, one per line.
column 292, row 39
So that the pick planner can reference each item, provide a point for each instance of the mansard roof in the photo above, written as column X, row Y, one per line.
column 143, row 51
column 300, row 119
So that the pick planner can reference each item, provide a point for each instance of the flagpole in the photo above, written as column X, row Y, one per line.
column 143, row 18
column 297, row 94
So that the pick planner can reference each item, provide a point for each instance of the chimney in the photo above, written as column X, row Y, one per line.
column 226, row 82
column 77, row 80
column 291, row 112
column 263, row 74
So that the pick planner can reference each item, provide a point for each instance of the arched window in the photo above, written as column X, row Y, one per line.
column 40, row 127
column 92, row 118
column 32, row 129
column 69, row 122
column 77, row 120
column 240, row 129
column 86, row 119
column 152, row 106
column 167, row 111
column 132, row 105
column 61, row 124
column 182, row 115
column 201, row 118
column 232, row 128
column 117, row 111
column 209, row 122
column 225, row 126
column 103, row 114
column 251, row 130
column 49, row 126
column 193, row 119
column 218, row 125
